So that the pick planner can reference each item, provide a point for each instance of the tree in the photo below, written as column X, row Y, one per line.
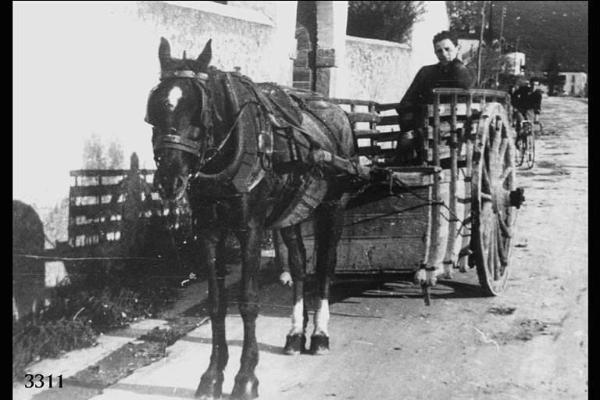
column 385, row 20
column 93, row 153
column 553, row 70
column 465, row 16
column 115, row 156
column 97, row 156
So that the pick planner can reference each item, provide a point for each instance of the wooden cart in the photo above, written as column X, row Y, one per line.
column 441, row 198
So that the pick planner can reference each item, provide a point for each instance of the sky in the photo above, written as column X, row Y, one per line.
column 79, row 68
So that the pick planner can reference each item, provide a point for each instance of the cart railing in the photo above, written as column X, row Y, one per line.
column 379, row 137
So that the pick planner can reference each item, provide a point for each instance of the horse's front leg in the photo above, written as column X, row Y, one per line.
column 246, row 383
column 212, row 255
column 296, row 338
column 328, row 219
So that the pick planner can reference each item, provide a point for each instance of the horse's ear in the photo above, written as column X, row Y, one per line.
column 164, row 52
column 204, row 58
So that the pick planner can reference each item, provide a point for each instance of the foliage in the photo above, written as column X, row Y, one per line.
column 115, row 156
column 465, row 16
column 537, row 28
column 552, row 70
column 97, row 156
column 33, row 339
column 385, row 20
column 93, row 153
column 88, row 305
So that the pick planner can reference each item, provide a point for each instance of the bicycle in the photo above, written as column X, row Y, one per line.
column 525, row 142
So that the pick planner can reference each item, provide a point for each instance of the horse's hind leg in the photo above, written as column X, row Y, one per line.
column 296, row 338
column 246, row 383
column 211, row 383
column 328, row 218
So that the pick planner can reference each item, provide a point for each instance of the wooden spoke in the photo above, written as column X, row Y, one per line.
column 493, row 179
column 506, row 173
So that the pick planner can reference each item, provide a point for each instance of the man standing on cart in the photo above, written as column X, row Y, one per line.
column 449, row 72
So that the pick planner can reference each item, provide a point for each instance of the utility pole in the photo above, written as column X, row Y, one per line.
column 501, row 42
column 502, row 27
column 479, row 50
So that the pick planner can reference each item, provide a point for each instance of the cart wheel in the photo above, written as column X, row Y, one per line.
column 493, row 215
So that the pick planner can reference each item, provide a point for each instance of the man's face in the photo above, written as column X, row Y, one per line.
column 445, row 51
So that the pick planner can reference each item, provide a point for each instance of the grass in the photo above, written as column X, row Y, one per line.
column 94, row 303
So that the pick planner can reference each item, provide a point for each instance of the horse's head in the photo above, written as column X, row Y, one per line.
column 180, row 113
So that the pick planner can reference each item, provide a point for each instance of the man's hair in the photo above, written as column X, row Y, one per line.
column 445, row 35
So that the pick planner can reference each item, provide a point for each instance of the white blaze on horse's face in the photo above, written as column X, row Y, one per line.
column 175, row 94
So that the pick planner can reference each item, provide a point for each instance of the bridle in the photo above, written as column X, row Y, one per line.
column 176, row 140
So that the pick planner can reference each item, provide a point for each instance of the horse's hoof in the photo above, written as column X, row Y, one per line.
column 245, row 388
column 210, row 387
column 294, row 344
column 319, row 344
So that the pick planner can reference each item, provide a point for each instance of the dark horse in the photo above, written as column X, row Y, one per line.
column 244, row 162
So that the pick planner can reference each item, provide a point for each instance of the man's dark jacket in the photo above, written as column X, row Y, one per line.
column 452, row 75
column 524, row 99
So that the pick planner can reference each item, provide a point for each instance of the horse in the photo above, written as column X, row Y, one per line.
column 242, row 159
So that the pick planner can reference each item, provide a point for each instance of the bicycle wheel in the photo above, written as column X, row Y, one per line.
column 530, row 149
column 520, row 148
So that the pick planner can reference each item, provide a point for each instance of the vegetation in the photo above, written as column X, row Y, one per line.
column 87, row 306
column 385, row 20
column 537, row 28
column 97, row 156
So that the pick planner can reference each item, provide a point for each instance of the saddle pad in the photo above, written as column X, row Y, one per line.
column 284, row 107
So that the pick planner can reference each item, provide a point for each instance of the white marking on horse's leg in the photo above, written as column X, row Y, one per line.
column 448, row 269
column 286, row 278
column 420, row 276
column 432, row 276
column 298, row 318
column 322, row 318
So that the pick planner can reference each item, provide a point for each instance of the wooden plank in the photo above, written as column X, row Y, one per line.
column 93, row 190
column 363, row 117
column 351, row 101
column 95, row 228
column 96, row 210
column 411, row 179
column 376, row 151
column 108, row 172
column 388, row 120
column 378, row 136
column 365, row 133
column 445, row 110
column 386, row 106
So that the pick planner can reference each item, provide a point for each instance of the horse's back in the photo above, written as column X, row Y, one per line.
column 334, row 124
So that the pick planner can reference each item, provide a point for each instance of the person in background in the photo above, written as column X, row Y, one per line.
column 526, row 102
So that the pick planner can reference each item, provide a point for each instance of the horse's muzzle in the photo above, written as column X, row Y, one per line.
column 171, row 188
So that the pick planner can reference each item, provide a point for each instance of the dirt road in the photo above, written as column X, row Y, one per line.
column 529, row 343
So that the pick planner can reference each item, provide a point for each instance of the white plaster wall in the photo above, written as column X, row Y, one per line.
column 376, row 69
column 434, row 20
column 87, row 67
column 382, row 70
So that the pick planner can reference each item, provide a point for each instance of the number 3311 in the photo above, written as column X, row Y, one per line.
column 38, row 381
